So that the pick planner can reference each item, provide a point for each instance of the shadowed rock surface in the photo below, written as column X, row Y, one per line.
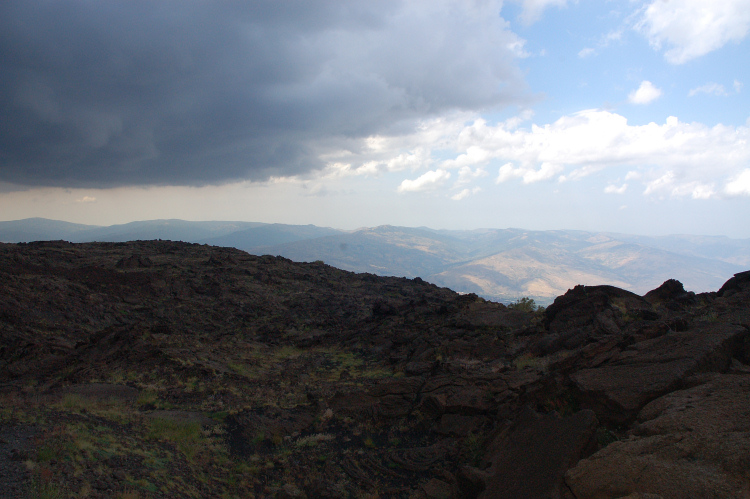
column 163, row 369
column 530, row 457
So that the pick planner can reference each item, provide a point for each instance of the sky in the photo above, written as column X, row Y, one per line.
column 619, row 115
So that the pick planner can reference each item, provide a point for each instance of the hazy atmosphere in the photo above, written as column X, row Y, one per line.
column 623, row 115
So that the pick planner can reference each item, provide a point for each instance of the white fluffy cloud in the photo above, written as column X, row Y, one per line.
column 528, row 174
column 692, row 28
column 380, row 154
column 645, row 93
column 740, row 185
column 427, row 181
column 673, row 158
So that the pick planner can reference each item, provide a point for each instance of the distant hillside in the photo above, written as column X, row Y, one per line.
column 382, row 250
column 736, row 251
column 498, row 264
column 269, row 235
column 41, row 229
column 505, row 264
column 241, row 235
column 542, row 272
column 173, row 230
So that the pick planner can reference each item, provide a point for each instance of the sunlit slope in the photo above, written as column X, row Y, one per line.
column 548, row 271
column 382, row 250
column 530, row 271
column 505, row 264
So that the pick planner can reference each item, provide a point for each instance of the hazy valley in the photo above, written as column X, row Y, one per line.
column 498, row 264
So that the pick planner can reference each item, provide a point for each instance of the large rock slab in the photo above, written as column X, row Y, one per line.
column 629, row 380
column 671, row 295
column 731, row 306
column 589, row 313
column 690, row 443
column 529, row 458
column 737, row 284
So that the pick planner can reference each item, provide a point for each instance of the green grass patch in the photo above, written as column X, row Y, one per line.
column 147, row 397
column 187, row 436
column 219, row 415
column 287, row 352
column 41, row 489
column 529, row 360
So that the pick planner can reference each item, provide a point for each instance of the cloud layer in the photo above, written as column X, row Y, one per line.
column 428, row 181
column 692, row 28
column 185, row 92
column 673, row 159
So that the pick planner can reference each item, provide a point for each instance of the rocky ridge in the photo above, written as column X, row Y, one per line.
column 163, row 369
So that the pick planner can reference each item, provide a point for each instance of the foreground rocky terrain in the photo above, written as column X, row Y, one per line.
column 162, row 369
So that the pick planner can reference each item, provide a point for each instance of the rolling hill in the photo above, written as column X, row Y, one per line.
column 506, row 264
column 498, row 264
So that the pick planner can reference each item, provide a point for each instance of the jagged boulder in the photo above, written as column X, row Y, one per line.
column 740, row 282
column 588, row 313
column 671, row 294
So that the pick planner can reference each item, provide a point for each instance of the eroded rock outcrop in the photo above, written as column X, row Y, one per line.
column 586, row 314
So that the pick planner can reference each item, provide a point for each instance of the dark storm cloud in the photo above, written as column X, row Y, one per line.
column 107, row 93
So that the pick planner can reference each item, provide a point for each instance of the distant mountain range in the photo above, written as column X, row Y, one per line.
column 498, row 264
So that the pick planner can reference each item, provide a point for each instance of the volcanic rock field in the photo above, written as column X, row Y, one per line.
column 155, row 369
